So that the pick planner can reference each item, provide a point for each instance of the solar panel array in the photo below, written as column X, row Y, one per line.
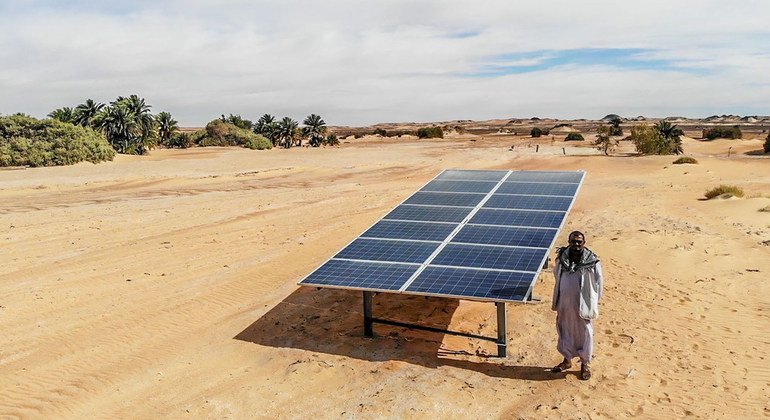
column 481, row 235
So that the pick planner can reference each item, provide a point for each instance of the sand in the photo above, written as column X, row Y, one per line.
column 165, row 286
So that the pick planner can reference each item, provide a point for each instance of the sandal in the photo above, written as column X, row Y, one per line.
column 561, row 367
column 585, row 372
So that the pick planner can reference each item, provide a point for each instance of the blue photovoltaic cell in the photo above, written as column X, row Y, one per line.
column 501, row 258
column 463, row 282
column 546, row 176
column 503, row 201
column 472, row 175
column 460, row 186
column 361, row 275
column 496, row 255
column 382, row 250
column 410, row 230
column 429, row 214
column 534, row 188
column 501, row 235
column 503, row 217
column 445, row 199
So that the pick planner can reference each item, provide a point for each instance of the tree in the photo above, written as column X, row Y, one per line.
column 331, row 140
column 166, row 127
column 267, row 127
column 287, row 131
column 615, row 129
column 671, row 136
column 86, row 112
column 536, row 132
column 238, row 121
column 64, row 114
column 119, row 126
column 314, row 129
column 604, row 140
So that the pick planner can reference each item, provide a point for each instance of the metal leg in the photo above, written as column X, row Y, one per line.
column 368, row 327
column 502, row 330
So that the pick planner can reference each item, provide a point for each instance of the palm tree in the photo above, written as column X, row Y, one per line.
column 670, row 136
column 166, row 126
column 266, row 126
column 85, row 112
column 64, row 114
column 119, row 126
column 287, row 131
column 314, row 130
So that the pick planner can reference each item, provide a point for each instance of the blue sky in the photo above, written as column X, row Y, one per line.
column 358, row 63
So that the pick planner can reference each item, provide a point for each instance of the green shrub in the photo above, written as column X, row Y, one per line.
column 27, row 141
column 220, row 133
column 180, row 140
column 723, row 133
column 536, row 132
column 574, row 137
column 380, row 132
column 767, row 144
column 258, row 142
column 660, row 139
column 685, row 159
column 430, row 133
column 724, row 189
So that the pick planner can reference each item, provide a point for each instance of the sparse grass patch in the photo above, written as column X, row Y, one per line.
column 685, row 159
column 724, row 189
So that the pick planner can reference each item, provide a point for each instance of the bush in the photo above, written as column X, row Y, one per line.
column 685, row 159
column 724, row 189
column 430, row 133
column 27, row 141
column 723, row 133
column 258, row 142
column 380, row 132
column 650, row 140
column 574, row 137
column 220, row 133
column 180, row 140
column 536, row 132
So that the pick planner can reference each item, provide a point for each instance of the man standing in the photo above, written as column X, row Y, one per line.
column 576, row 295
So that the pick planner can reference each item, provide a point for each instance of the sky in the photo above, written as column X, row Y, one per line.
column 359, row 62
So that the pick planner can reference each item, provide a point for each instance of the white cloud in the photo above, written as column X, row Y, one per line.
column 359, row 62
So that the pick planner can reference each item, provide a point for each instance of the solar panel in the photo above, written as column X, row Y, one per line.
column 502, row 235
column 392, row 229
column 387, row 250
column 538, row 188
column 445, row 199
column 361, row 275
column 546, row 176
column 508, row 201
column 472, row 175
column 460, row 186
column 469, row 234
column 501, row 258
column 429, row 214
column 504, row 217
column 463, row 283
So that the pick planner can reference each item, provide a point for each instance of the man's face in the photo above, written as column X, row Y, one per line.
column 576, row 243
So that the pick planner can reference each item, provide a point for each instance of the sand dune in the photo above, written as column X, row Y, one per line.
column 165, row 285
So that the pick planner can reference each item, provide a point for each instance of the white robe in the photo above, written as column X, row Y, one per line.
column 576, row 334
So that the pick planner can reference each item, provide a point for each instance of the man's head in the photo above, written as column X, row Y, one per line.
column 576, row 241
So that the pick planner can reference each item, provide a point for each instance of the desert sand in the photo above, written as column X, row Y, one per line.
column 165, row 286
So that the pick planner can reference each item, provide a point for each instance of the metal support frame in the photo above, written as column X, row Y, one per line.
column 502, row 324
